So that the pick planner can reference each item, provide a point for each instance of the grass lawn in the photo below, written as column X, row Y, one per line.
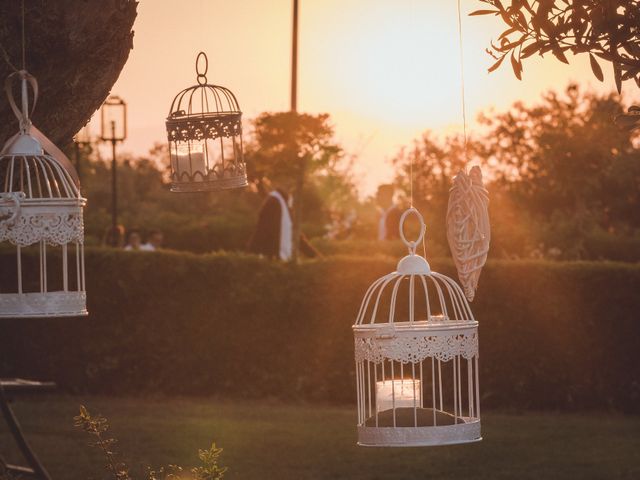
column 301, row 442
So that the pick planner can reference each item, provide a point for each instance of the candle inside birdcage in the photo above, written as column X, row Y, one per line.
column 398, row 393
column 188, row 160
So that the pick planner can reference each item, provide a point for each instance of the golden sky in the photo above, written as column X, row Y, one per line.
column 385, row 70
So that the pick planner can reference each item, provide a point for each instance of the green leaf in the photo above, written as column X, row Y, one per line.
column 517, row 67
column 595, row 67
column 496, row 65
column 530, row 49
column 617, row 75
column 559, row 53
column 506, row 33
column 483, row 12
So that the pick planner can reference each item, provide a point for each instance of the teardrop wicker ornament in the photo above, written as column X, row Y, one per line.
column 468, row 228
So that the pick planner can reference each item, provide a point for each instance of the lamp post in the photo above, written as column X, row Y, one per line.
column 294, row 58
column 114, row 129
column 80, row 141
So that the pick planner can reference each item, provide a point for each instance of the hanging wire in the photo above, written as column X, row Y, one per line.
column 462, row 85
column 202, row 37
column 415, row 152
column 7, row 60
column 24, row 48
column 5, row 55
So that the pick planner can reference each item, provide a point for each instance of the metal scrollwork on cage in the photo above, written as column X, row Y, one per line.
column 204, row 129
column 416, row 354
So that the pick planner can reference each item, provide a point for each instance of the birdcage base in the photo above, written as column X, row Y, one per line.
column 210, row 185
column 447, row 430
column 47, row 304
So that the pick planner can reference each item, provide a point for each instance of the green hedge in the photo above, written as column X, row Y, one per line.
column 553, row 335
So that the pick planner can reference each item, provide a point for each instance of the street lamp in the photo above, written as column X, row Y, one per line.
column 113, row 129
column 294, row 58
column 81, row 140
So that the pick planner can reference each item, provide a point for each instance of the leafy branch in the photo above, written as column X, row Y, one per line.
column 97, row 427
column 604, row 29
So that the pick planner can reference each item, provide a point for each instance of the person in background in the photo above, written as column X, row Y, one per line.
column 111, row 234
column 134, row 240
column 273, row 233
column 341, row 226
column 389, row 223
column 154, row 241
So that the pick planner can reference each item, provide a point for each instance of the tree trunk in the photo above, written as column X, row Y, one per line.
column 296, row 229
column 75, row 48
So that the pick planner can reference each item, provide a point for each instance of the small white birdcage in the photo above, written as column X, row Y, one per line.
column 416, row 351
column 204, row 129
column 41, row 216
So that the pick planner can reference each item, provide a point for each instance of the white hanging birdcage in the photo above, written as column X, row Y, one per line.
column 41, row 216
column 204, row 129
column 416, row 352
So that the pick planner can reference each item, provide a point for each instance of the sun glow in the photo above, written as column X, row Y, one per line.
column 386, row 70
column 380, row 62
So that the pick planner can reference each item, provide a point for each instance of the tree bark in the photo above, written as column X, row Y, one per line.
column 75, row 48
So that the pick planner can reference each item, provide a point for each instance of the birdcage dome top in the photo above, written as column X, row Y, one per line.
column 414, row 312
column 204, row 99
column 28, row 169
column 435, row 300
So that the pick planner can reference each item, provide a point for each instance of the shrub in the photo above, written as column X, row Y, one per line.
column 97, row 427
column 553, row 334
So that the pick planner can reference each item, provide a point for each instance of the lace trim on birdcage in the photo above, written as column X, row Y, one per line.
column 233, row 175
column 415, row 349
column 199, row 128
column 469, row 431
column 54, row 228
column 43, row 304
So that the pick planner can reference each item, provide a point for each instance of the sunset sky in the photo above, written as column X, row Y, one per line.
column 386, row 70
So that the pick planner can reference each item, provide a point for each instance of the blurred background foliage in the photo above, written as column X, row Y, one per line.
column 555, row 335
column 564, row 183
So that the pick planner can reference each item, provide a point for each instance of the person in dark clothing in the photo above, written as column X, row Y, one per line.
column 273, row 233
column 389, row 223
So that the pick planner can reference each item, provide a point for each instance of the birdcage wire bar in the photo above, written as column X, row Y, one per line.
column 417, row 380
column 204, row 130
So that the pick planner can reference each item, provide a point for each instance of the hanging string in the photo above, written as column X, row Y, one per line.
column 202, row 25
column 411, row 175
column 7, row 60
column 462, row 85
column 5, row 54
column 24, row 43
column 415, row 152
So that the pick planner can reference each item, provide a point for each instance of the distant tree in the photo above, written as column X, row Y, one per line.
column 559, row 172
column 605, row 29
column 564, row 160
column 289, row 149
column 75, row 48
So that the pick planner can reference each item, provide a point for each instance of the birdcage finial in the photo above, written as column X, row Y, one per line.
column 413, row 264
column 24, row 113
column 202, row 76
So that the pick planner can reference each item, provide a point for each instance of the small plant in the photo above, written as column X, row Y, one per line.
column 97, row 426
